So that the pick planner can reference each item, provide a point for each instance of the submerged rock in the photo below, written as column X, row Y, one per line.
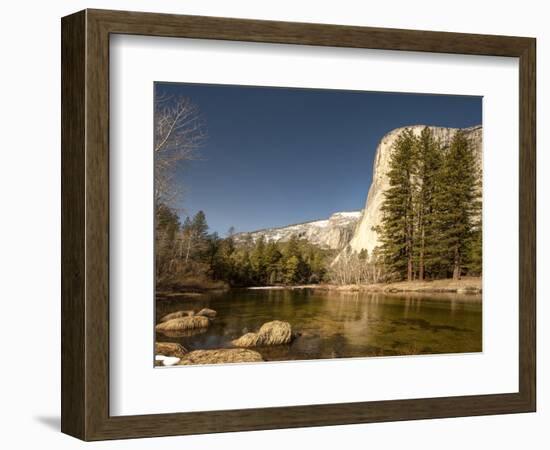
column 183, row 323
column 207, row 312
column 270, row 333
column 170, row 349
column 184, row 333
column 177, row 315
column 221, row 356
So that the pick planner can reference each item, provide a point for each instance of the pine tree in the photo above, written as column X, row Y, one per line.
column 292, row 270
column 474, row 262
column 212, row 248
column 474, row 251
column 295, row 267
column 257, row 261
column 317, row 266
column 167, row 223
column 429, row 162
column 397, row 229
column 166, row 233
column 195, row 239
column 199, row 229
column 222, row 267
column 199, row 225
column 272, row 259
column 457, row 204
column 292, row 247
column 242, row 274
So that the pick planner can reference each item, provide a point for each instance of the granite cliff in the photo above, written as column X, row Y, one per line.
column 364, row 236
column 354, row 230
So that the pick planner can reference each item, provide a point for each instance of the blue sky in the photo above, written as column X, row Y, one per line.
column 277, row 156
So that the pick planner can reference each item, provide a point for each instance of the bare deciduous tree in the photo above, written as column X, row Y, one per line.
column 179, row 132
column 356, row 268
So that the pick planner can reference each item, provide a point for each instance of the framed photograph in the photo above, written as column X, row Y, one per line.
column 273, row 225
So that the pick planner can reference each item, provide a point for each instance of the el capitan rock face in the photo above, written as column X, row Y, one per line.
column 353, row 230
column 364, row 236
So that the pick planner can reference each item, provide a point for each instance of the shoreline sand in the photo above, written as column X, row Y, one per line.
column 467, row 285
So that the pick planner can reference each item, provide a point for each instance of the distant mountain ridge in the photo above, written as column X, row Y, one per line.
column 332, row 233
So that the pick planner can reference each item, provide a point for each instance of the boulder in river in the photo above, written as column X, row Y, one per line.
column 170, row 349
column 177, row 315
column 220, row 356
column 207, row 312
column 183, row 323
column 247, row 340
column 270, row 333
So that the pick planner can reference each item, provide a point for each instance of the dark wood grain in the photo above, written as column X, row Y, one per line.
column 73, row 225
column 85, row 224
column 527, row 224
column 151, row 24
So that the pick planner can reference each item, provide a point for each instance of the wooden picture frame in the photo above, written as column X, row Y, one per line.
column 85, row 224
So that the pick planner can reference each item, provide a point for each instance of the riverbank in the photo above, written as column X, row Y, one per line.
column 466, row 285
column 196, row 289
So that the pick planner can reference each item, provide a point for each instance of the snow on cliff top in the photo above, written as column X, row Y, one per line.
column 314, row 223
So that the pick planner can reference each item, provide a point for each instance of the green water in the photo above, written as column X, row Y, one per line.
column 336, row 324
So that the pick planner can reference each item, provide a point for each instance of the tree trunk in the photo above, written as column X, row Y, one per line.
column 421, row 258
column 410, row 267
column 456, row 268
column 188, row 249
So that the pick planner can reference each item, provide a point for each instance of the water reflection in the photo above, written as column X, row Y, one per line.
column 338, row 324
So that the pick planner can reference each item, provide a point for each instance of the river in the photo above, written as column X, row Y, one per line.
column 335, row 324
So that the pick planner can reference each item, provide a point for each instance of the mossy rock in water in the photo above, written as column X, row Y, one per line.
column 270, row 333
column 170, row 349
column 177, row 315
column 207, row 312
column 183, row 323
column 247, row 340
column 221, row 356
